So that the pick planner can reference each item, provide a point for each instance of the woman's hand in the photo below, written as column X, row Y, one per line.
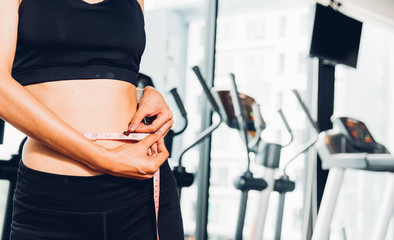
column 136, row 160
column 152, row 104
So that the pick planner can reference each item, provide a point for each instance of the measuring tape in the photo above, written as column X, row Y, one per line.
column 115, row 136
column 133, row 137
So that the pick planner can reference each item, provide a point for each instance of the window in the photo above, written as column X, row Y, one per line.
column 260, row 65
column 227, row 33
column 255, row 29
column 281, row 63
column 282, row 26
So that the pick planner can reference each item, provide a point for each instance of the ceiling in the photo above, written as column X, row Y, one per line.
column 379, row 11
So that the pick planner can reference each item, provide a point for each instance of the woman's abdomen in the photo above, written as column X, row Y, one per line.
column 89, row 105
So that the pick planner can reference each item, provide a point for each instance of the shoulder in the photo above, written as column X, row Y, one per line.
column 141, row 2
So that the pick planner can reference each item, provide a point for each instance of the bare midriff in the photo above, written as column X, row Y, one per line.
column 88, row 105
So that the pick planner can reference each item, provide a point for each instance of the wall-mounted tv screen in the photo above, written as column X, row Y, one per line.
column 335, row 37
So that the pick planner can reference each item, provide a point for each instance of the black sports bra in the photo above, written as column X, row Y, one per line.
column 73, row 39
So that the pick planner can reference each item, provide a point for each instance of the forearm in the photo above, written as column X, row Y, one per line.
column 22, row 110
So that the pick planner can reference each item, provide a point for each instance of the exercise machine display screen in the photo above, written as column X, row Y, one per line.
column 357, row 133
column 246, row 101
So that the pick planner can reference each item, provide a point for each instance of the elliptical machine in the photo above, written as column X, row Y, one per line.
column 241, row 112
column 269, row 156
column 184, row 178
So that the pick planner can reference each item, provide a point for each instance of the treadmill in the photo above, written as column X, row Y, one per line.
column 350, row 145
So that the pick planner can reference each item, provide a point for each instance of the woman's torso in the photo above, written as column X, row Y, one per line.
column 88, row 105
column 100, row 105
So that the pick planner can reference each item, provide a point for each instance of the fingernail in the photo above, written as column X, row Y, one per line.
column 132, row 127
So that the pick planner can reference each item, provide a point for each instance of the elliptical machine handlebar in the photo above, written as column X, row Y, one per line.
column 288, row 128
column 185, row 179
column 238, row 114
column 204, row 86
column 215, row 107
column 306, row 111
column 312, row 122
column 181, row 108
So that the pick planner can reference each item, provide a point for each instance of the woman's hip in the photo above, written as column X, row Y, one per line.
column 79, row 193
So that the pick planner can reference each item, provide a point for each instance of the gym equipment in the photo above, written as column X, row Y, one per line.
column 171, row 134
column 243, row 114
column 245, row 111
column 350, row 145
column 185, row 179
column 268, row 155
column 8, row 169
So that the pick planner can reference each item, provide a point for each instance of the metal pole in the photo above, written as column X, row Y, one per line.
column 206, row 119
column 385, row 211
column 327, row 205
column 325, row 109
column 262, row 208
column 241, row 215
column 279, row 216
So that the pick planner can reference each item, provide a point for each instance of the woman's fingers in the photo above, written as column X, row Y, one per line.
column 166, row 127
column 139, row 160
column 163, row 153
column 137, row 119
column 151, row 105
column 153, row 162
column 161, row 119
column 154, row 150
column 149, row 140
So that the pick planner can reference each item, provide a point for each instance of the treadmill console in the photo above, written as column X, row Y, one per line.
column 357, row 134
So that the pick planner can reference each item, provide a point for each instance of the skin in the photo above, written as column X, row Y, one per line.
column 53, row 115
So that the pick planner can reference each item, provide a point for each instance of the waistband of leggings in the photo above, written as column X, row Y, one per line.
column 59, row 178
column 79, row 193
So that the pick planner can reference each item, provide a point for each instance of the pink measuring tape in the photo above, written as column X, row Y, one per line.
column 133, row 137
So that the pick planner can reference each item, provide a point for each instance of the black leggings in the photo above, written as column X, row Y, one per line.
column 51, row 206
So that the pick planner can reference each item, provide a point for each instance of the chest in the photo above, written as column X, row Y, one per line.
column 78, row 24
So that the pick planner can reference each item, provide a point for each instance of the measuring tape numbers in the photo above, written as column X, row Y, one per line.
column 115, row 136
column 127, row 136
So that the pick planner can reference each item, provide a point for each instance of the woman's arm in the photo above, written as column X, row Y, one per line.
column 22, row 110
